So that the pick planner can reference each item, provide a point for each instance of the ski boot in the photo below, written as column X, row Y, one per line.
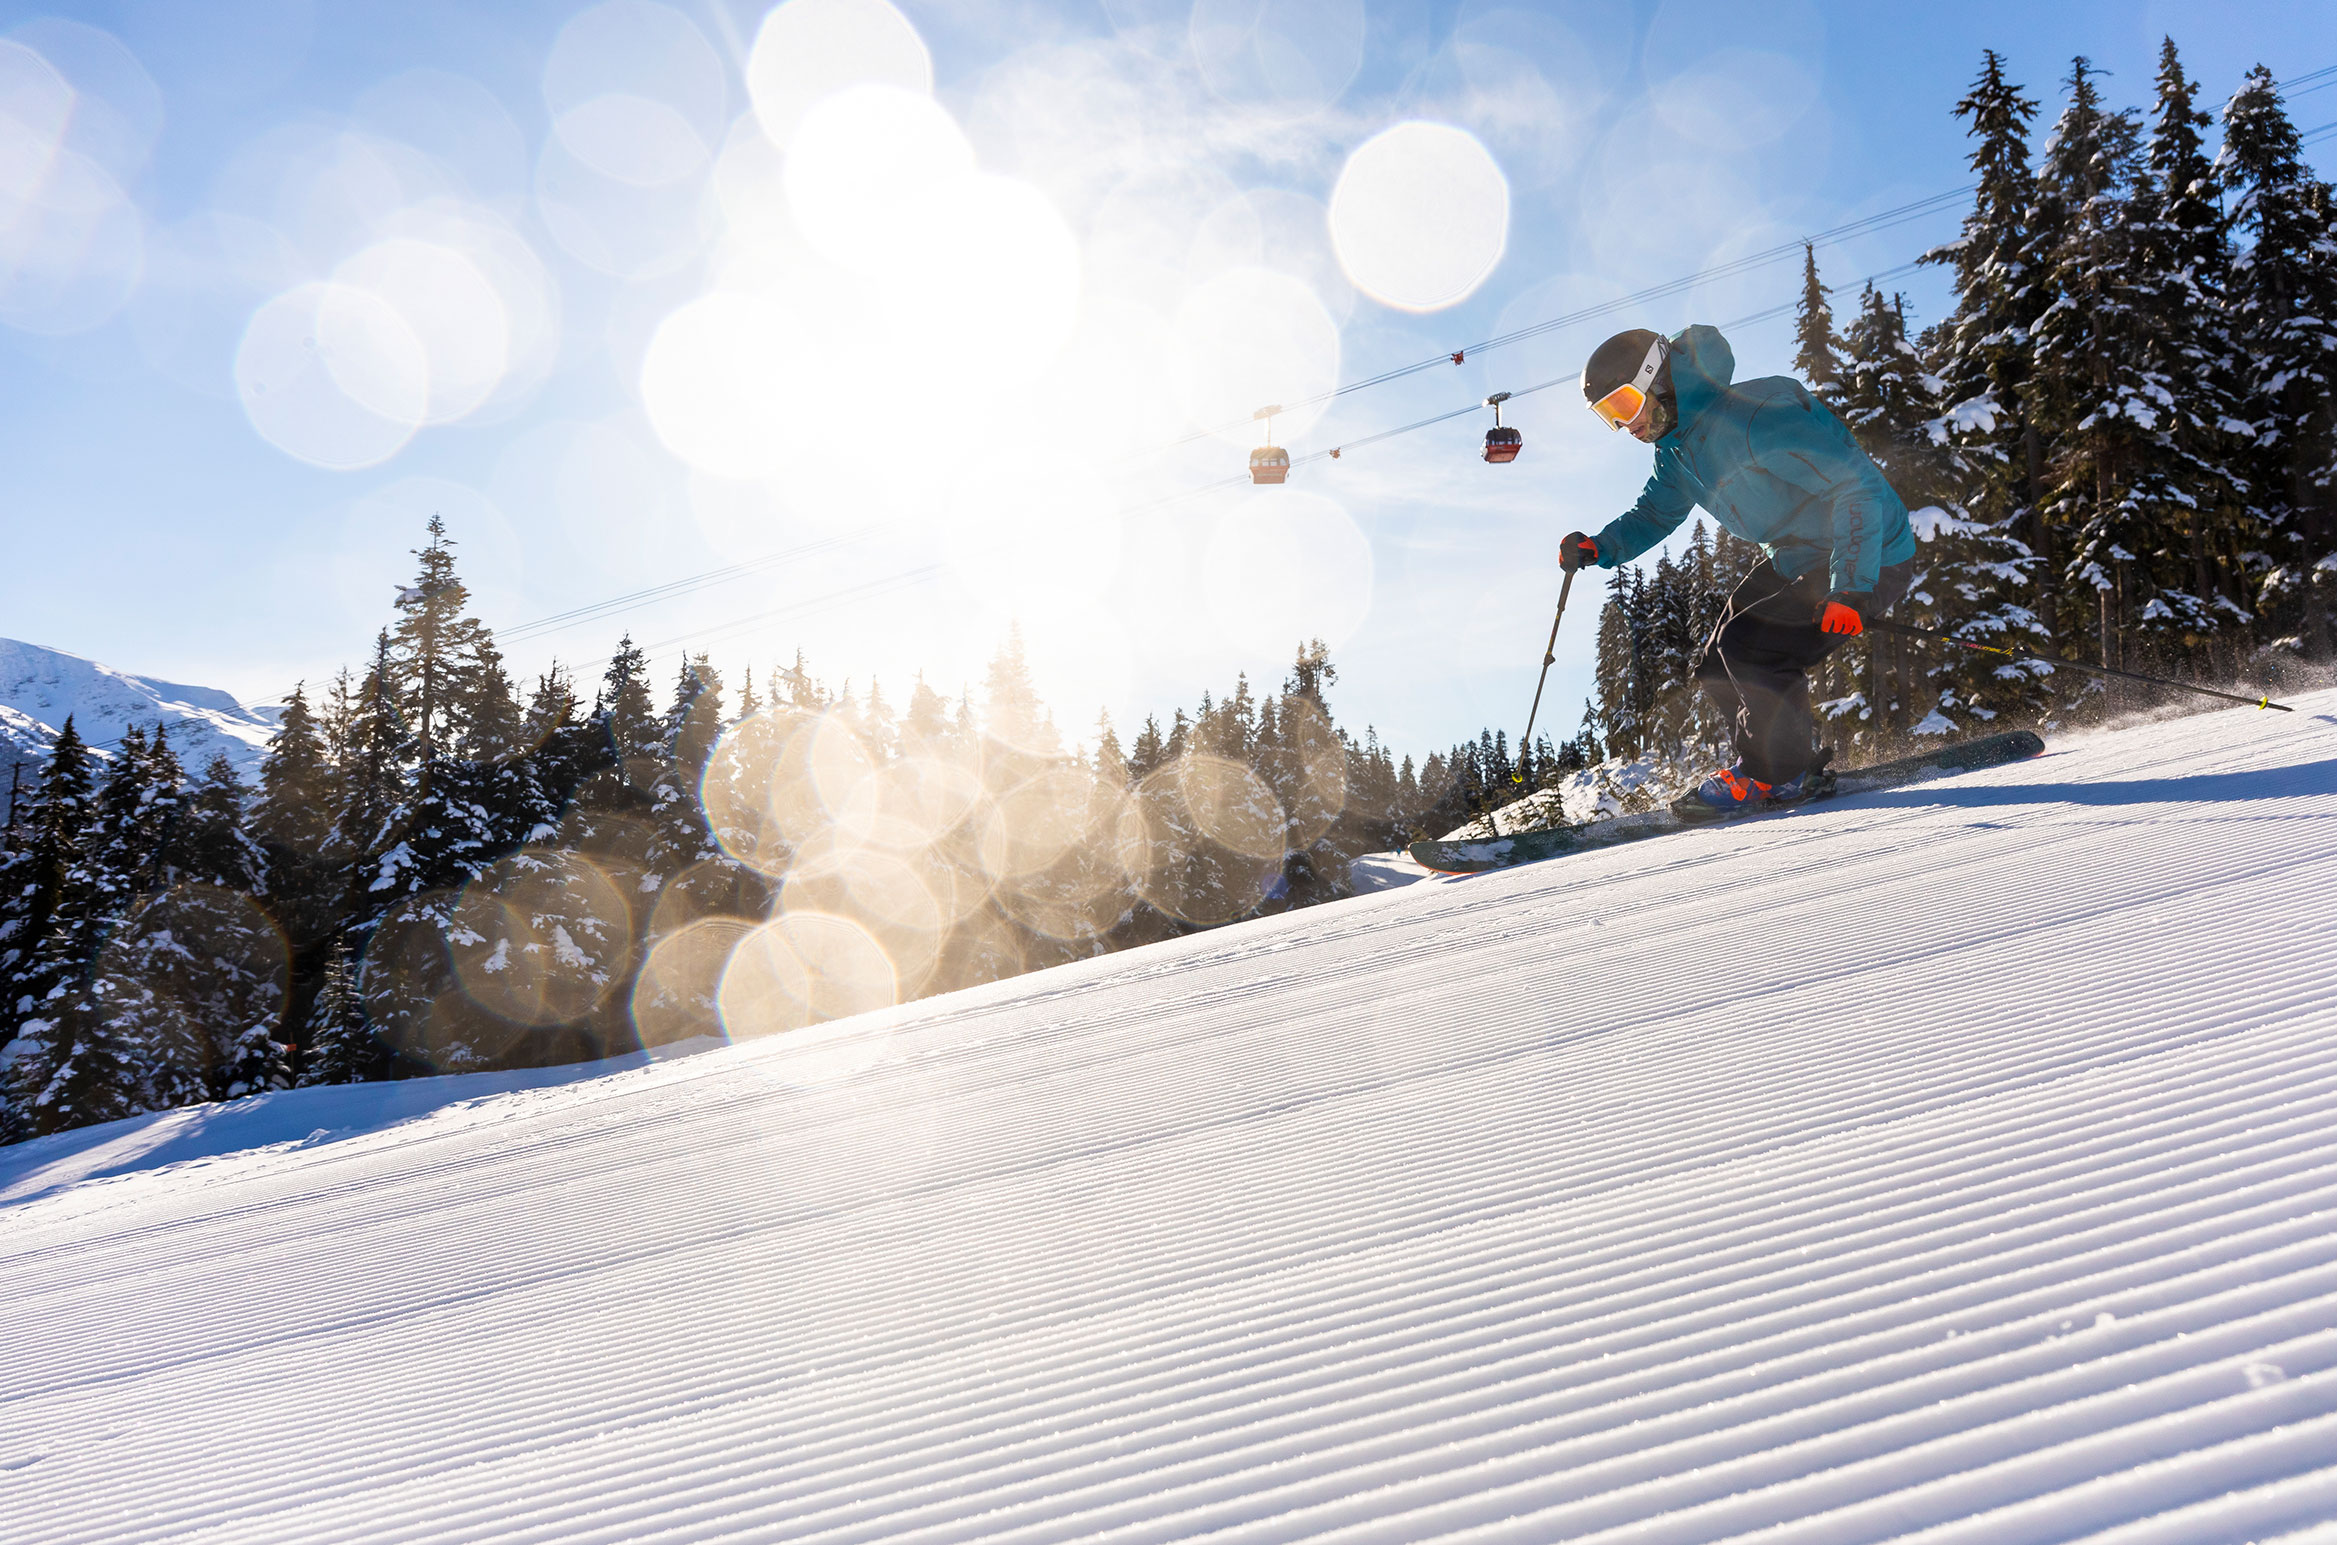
column 1731, row 792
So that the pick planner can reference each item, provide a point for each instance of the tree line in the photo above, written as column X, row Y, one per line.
column 2118, row 444
column 439, row 871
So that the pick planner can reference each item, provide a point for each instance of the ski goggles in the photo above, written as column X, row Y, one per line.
column 1624, row 405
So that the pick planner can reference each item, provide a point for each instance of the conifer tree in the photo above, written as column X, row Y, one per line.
column 180, row 961
column 377, row 786
column 434, row 646
column 926, row 723
column 13, row 859
column 879, row 730
column 224, row 972
column 611, row 816
column 341, row 1049
column 502, row 776
column 2089, row 362
column 1615, row 671
column 1312, row 671
column 1817, row 351
column 294, row 811
column 624, row 710
column 795, row 688
column 1013, row 717
column 137, row 805
column 69, row 1068
column 485, row 705
column 1147, row 751
column 336, row 727
column 1409, row 793
column 680, row 836
column 564, row 749
column 1889, row 401
column 195, row 978
column 696, row 719
column 212, row 844
column 1984, row 345
column 1227, row 729
column 2193, row 594
column 73, row 1068
column 1983, row 357
column 2280, row 290
column 40, row 898
column 1112, row 762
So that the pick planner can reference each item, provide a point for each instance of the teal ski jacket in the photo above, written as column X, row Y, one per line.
column 1773, row 466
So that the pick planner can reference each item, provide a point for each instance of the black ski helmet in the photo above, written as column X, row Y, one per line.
column 1614, row 362
column 1618, row 360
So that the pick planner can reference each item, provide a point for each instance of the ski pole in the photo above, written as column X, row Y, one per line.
column 1519, row 773
column 2073, row 665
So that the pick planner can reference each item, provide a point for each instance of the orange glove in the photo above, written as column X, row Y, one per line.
column 1577, row 550
column 1838, row 617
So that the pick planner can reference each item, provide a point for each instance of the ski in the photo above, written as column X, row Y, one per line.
column 1476, row 855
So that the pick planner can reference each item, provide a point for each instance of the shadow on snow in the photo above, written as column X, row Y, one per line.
column 2299, row 781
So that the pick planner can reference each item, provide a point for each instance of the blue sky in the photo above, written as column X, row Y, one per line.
column 894, row 314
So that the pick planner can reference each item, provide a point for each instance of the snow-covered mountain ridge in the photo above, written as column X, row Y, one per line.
column 1953, row 1163
column 40, row 688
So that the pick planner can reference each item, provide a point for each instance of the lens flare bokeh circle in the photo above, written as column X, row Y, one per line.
column 541, row 937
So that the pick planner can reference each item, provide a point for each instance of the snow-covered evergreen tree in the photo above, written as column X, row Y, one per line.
column 469, row 801
column 294, row 812
column 1146, row 751
column 687, row 874
column 1616, row 671
column 926, row 720
column 38, row 901
column 564, row 748
column 1985, row 343
column 1890, row 402
column 1818, row 353
column 137, row 810
column 195, row 979
column 196, row 973
column 341, row 1049
column 628, row 720
column 68, row 1066
column 2188, row 597
column 376, row 799
column 1018, row 733
column 434, row 646
column 1111, row 762
column 486, row 706
column 1982, row 354
column 2280, row 291
column 213, row 843
column 2093, row 380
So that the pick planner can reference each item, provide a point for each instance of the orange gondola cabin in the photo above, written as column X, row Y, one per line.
column 1270, row 463
column 1502, row 443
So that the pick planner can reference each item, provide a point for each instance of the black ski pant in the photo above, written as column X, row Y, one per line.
column 1753, row 667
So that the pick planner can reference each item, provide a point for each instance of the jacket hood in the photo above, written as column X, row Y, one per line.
column 1702, row 366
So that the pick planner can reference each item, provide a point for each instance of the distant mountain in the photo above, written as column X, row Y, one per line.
column 40, row 687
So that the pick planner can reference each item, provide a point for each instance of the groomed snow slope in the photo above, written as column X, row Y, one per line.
column 1949, row 1164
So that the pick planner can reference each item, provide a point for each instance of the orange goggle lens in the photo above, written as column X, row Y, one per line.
column 1622, row 406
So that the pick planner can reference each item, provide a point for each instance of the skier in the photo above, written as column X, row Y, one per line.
column 1774, row 467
